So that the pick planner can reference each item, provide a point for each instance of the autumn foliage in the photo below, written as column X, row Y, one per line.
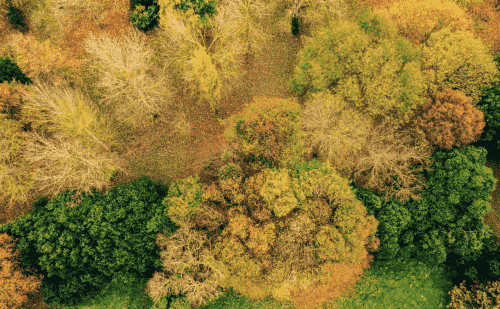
column 450, row 120
column 297, row 235
column 416, row 20
column 14, row 283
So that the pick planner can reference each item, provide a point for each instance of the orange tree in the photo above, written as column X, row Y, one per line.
column 450, row 120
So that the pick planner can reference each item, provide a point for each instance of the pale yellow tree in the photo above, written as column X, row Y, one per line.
column 250, row 21
column 337, row 130
column 209, row 68
column 130, row 92
column 80, row 153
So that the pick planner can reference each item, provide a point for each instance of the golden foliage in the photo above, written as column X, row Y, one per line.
column 417, row 19
column 268, row 246
column 189, row 268
column 335, row 129
column 37, row 59
column 480, row 296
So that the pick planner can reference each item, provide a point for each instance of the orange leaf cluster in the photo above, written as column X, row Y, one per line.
column 15, row 286
column 451, row 120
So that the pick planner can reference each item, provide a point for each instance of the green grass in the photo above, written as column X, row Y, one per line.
column 384, row 285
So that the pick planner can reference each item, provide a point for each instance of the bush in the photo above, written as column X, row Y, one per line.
column 9, row 71
column 483, row 296
column 108, row 236
column 281, row 233
column 295, row 25
column 267, row 133
column 143, row 19
column 15, row 286
column 188, row 268
column 16, row 18
column 450, row 120
column 459, row 61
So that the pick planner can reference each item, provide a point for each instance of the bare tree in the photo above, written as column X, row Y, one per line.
column 387, row 167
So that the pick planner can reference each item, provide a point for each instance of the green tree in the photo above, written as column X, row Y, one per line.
column 382, row 80
column 449, row 218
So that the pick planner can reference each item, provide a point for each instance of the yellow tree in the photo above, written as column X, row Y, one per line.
column 248, row 19
column 210, row 69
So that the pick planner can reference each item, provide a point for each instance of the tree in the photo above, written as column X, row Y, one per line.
column 387, row 167
column 382, row 80
column 41, row 59
column 458, row 61
column 79, row 153
column 450, row 120
column 337, row 131
column 184, row 46
column 131, row 94
column 449, row 218
column 416, row 20
column 281, row 232
column 248, row 19
column 267, row 133
column 196, row 276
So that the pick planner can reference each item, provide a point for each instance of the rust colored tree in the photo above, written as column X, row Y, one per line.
column 450, row 119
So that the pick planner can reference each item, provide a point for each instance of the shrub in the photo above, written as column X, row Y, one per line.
column 267, row 133
column 108, row 236
column 450, row 120
column 143, row 19
column 16, row 18
column 460, row 62
column 295, row 25
column 279, row 232
column 188, row 268
column 13, row 283
column 9, row 71
column 483, row 296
